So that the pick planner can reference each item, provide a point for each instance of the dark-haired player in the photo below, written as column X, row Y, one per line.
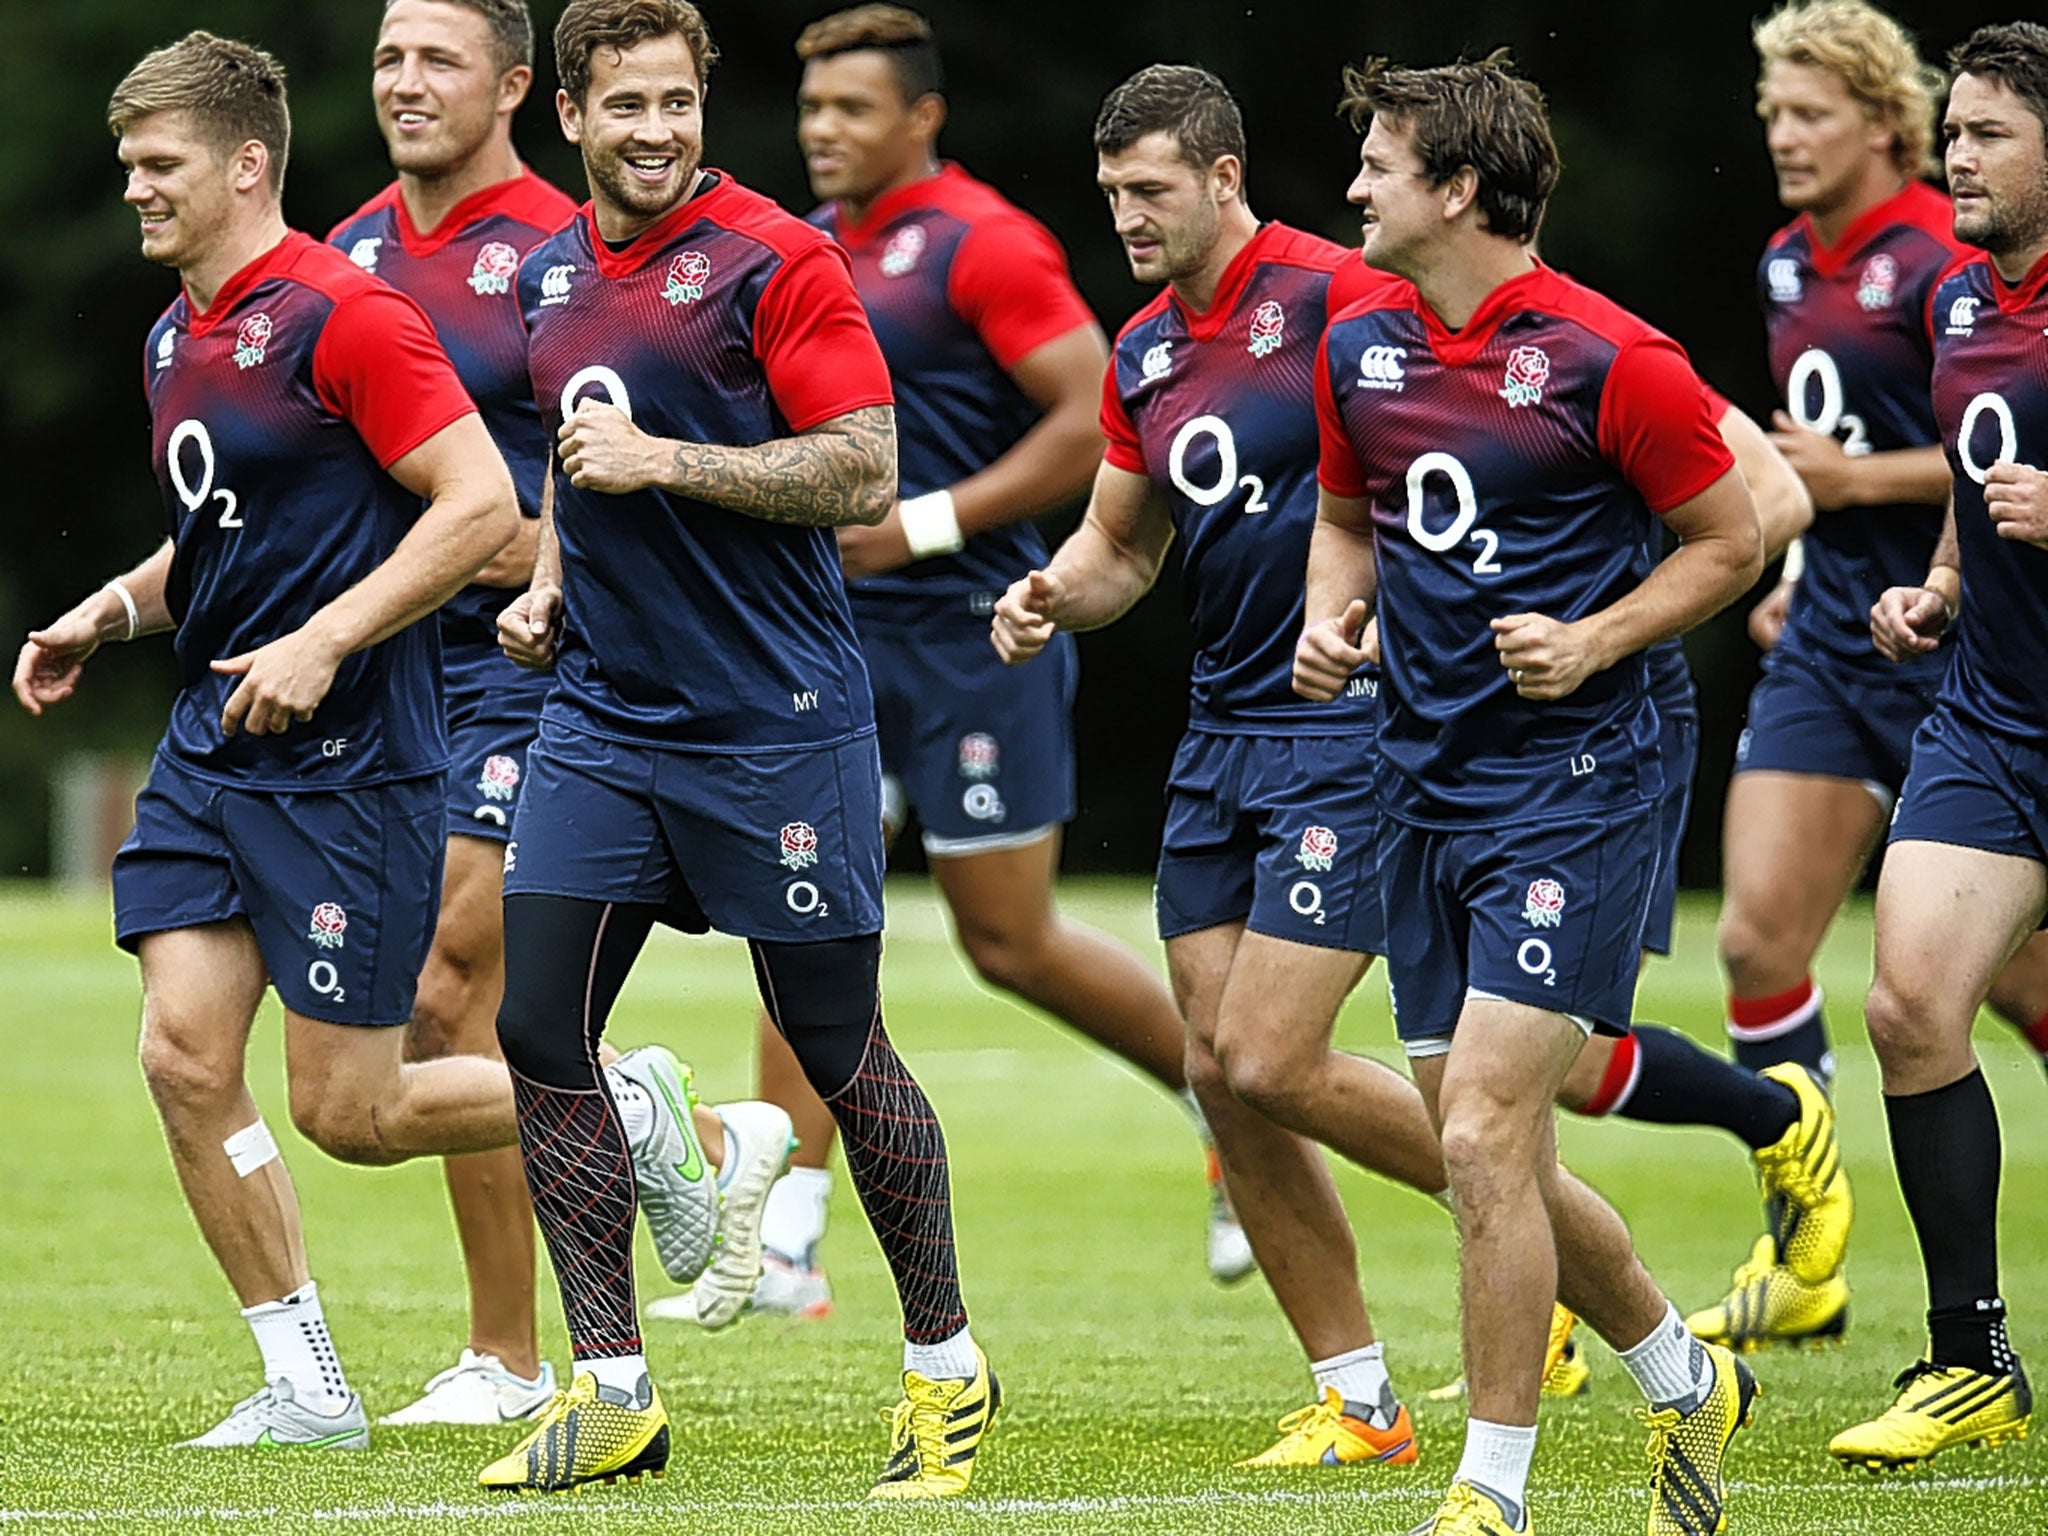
column 1497, row 507
column 328, row 484
column 707, row 757
column 1965, row 880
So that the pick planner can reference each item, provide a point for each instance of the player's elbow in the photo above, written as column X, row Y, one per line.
column 490, row 526
column 1784, row 511
column 871, row 500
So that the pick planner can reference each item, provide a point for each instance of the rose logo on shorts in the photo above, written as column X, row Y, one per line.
column 899, row 257
column 251, row 337
column 1528, row 372
column 1880, row 283
column 495, row 265
column 1544, row 907
column 327, row 926
column 501, row 778
column 1269, row 326
column 1318, row 848
column 687, row 275
column 799, row 845
column 979, row 755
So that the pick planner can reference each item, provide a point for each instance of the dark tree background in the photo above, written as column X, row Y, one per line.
column 1665, row 201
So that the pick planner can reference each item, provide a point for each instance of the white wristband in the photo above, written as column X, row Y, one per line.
column 931, row 525
column 128, row 607
column 1795, row 561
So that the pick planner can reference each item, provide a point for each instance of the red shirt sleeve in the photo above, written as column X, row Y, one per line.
column 1338, row 470
column 814, row 341
column 1124, row 450
column 1657, row 425
column 1010, row 282
column 1718, row 404
column 380, row 368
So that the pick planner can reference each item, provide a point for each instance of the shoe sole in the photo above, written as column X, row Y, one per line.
column 2010, row 1434
column 676, row 1089
column 651, row 1462
column 742, row 1243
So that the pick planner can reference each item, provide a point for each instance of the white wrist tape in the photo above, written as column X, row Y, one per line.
column 1795, row 561
column 128, row 607
column 931, row 525
column 250, row 1148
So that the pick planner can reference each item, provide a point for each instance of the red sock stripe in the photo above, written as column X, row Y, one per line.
column 1617, row 1080
column 2037, row 1034
column 1771, row 1015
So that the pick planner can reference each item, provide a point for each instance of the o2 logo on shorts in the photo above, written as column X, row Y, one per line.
column 805, row 899
column 799, row 845
column 1318, row 848
column 327, row 925
column 1305, row 899
column 1544, row 905
column 1534, row 958
column 983, row 803
column 980, row 756
column 500, row 779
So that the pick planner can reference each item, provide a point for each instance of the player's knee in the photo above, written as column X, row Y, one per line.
column 450, row 1013
column 1006, row 955
column 1260, row 1076
column 1908, row 1028
column 1756, row 955
column 545, row 1046
column 826, row 1000
column 178, row 1072
column 346, row 1132
column 1481, row 1137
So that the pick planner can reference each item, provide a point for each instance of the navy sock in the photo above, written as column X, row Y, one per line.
column 1680, row 1083
column 1946, row 1147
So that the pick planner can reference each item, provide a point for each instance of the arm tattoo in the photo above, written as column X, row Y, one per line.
column 839, row 473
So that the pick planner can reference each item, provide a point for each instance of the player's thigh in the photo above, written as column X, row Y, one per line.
column 1948, row 920
column 2020, row 992
column 1310, row 802
column 1281, row 998
column 339, row 1071
column 465, row 968
column 201, row 987
column 999, row 894
column 1197, row 968
column 1504, row 1068
column 1793, row 845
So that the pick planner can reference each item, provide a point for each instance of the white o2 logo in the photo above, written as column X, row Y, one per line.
column 1306, row 898
column 323, row 978
column 1227, row 481
column 193, row 430
column 805, row 899
column 614, row 389
column 2008, row 435
column 1534, row 958
column 1443, row 540
column 1818, row 367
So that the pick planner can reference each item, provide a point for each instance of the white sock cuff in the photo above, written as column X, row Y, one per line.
column 948, row 1360
column 1669, row 1364
column 1498, row 1457
column 1374, row 1351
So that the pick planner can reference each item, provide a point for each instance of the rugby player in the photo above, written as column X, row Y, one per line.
column 327, row 483
column 1497, row 508
column 447, row 77
column 718, row 406
column 1965, row 879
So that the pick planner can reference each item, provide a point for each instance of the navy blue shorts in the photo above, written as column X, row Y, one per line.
column 1802, row 720
column 342, row 888
column 491, row 723
column 1280, row 832
column 1549, row 915
column 784, row 846
column 983, row 753
column 1975, row 789
column 1678, row 747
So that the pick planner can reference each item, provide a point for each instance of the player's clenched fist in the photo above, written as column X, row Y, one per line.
column 1909, row 621
column 1027, row 617
column 1329, row 652
column 1545, row 659
column 530, row 626
column 2016, row 496
column 601, row 450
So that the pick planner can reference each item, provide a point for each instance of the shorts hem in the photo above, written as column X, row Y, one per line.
column 995, row 842
column 1334, row 943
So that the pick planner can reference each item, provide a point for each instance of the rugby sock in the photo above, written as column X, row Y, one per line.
column 622, row 1373
column 293, row 1339
column 794, row 1220
column 948, row 1360
column 1662, row 1077
column 580, row 1173
column 896, row 1158
column 1360, row 1377
column 1945, row 1145
column 1786, row 1026
column 1671, row 1366
column 1496, row 1461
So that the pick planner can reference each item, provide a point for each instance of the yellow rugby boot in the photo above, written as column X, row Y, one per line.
column 1770, row 1305
column 1687, row 1491
column 1328, row 1433
column 1470, row 1511
column 1565, row 1372
column 1938, row 1406
column 936, row 1432
column 588, row 1434
column 1805, row 1186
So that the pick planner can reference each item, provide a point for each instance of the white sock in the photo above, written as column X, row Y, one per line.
column 1193, row 1106
column 292, row 1336
column 948, row 1360
column 794, row 1219
column 1671, row 1366
column 636, row 1109
column 1497, row 1458
column 622, row 1373
column 1360, row 1377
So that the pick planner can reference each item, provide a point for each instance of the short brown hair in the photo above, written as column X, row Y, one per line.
column 233, row 93
column 2015, row 54
column 588, row 25
column 1874, row 58
column 511, row 25
column 1479, row 114
column 901, row 33
column 1189, row 104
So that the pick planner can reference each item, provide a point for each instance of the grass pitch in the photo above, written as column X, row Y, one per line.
column 1131, row 1382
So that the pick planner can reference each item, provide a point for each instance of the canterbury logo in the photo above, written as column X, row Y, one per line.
column 554, row 285
column 1380, row 368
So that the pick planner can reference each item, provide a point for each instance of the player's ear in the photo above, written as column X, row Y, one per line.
column 1226, row 178
column 571, row 117
column 513, row 86
column 1459, row 192
column 249, row 165
column 928, row 116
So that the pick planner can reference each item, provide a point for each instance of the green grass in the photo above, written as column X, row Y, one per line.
column 1132, row 1382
